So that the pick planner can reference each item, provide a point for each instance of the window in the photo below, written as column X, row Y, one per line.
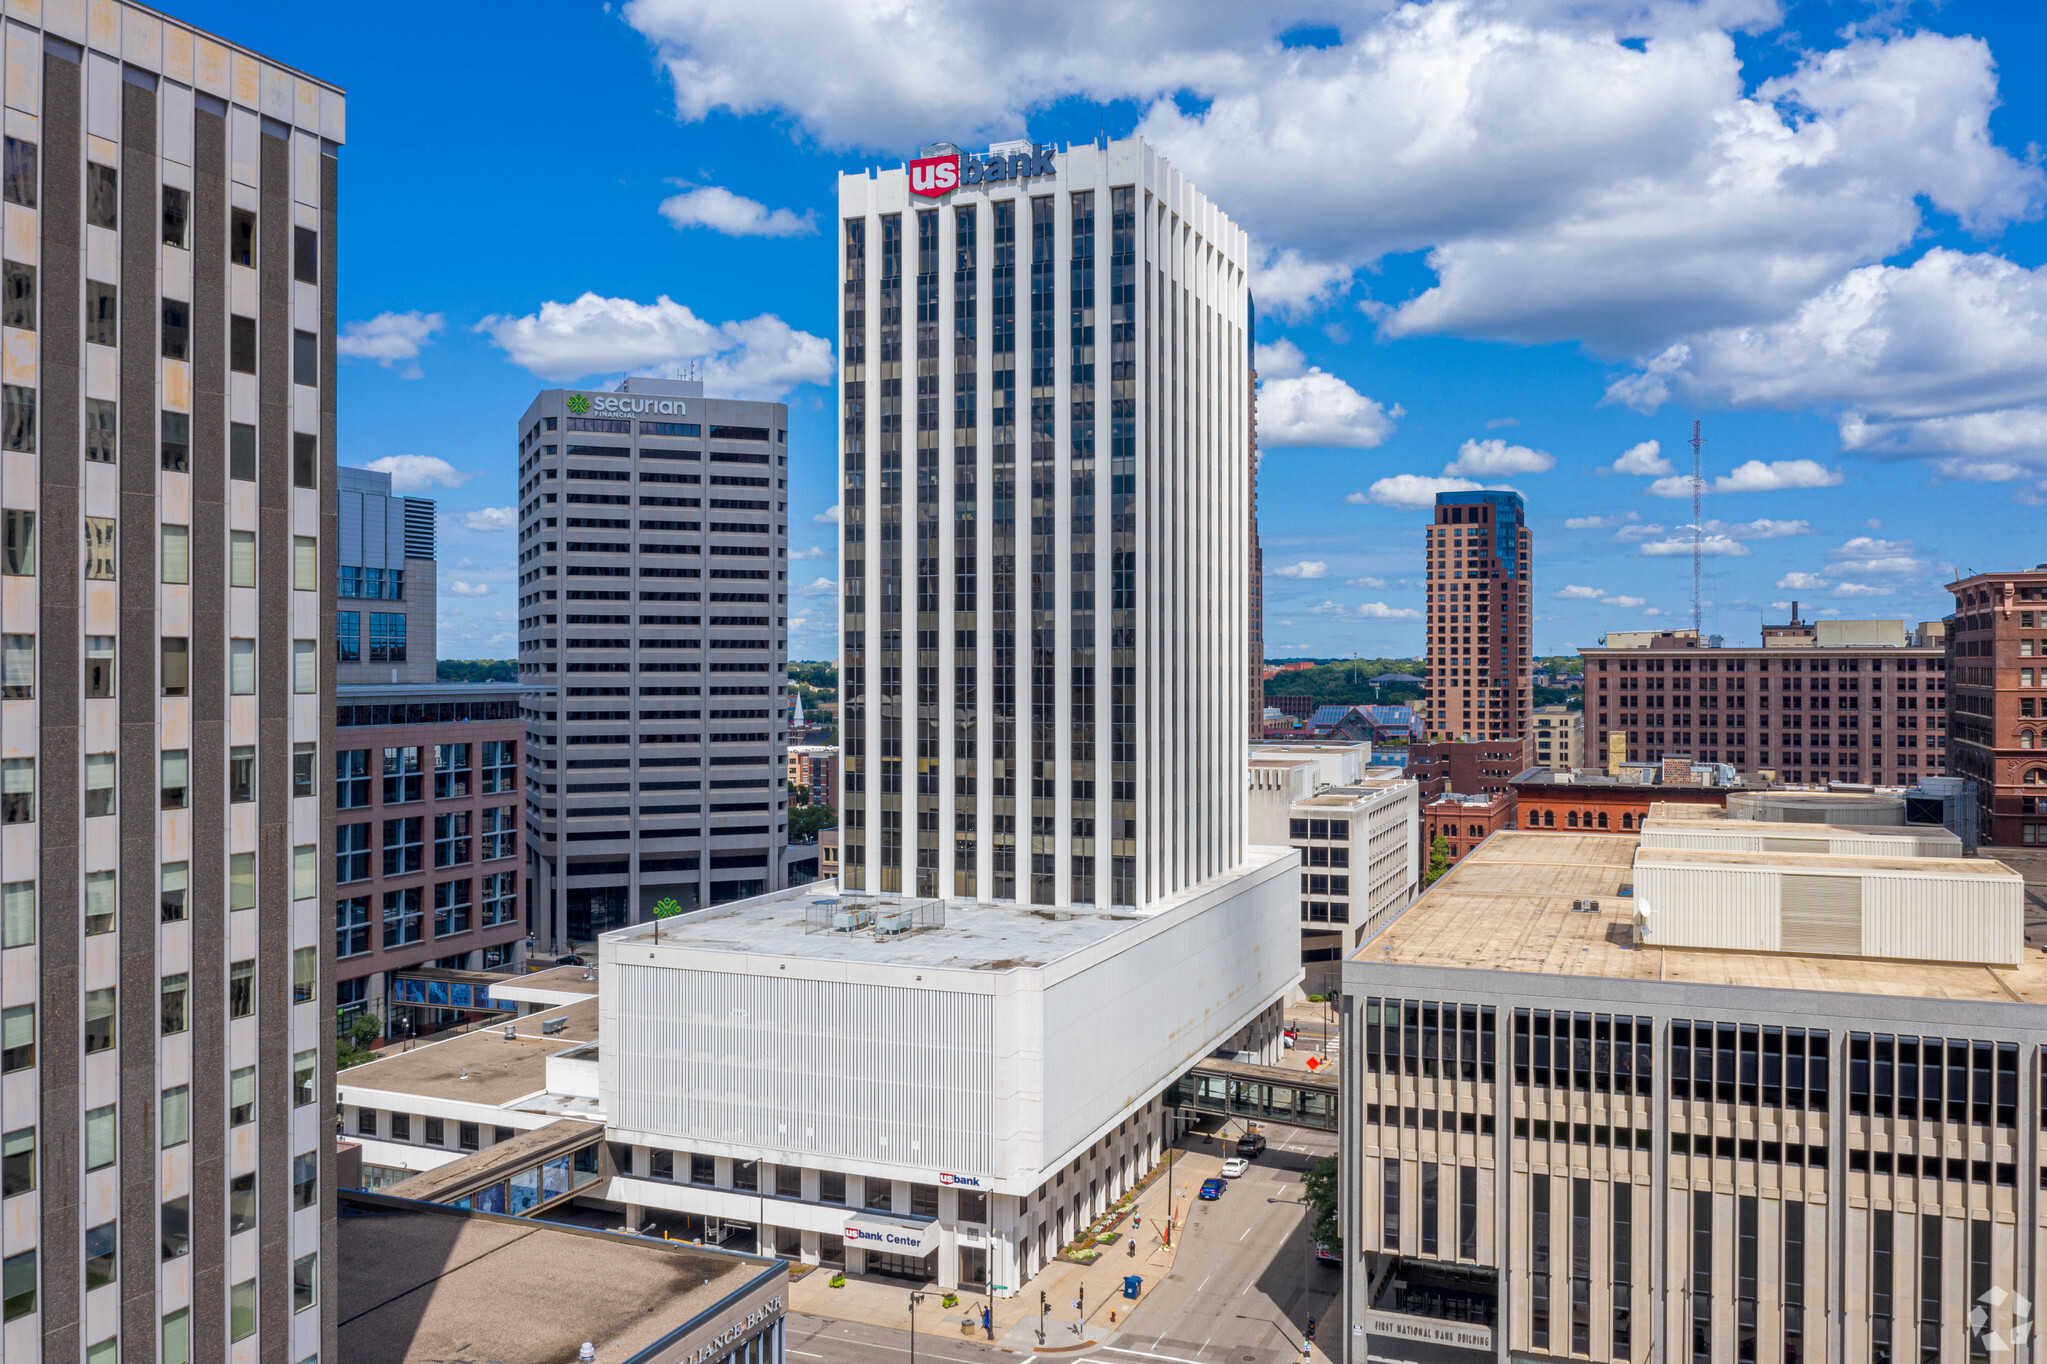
column 351, row 778
column 102, row 436
column 241, row 344
column 18, row 545
column 175, row 661
column 500, row 766
column 500, row 832
column 18, row 667
column 403, row 851
column 175, row 441
column 305, row 359
column 177, row 329
column 18, row 295
column 18, row 186
column 451, row 771
column 305, row 255
column 348, row 636
column 241, row 774
column 305, row 967
column 451, row 908
column 18, row 910
column 17, row 1038
column 352, row 925
column 176, row 1109
column 704, row 1170
column 177, row 1227
column 99, row 784
column 500, row 898
column 469, row 1136
column 17, row 1272
column 241, row 558
column 241, row 989
column 304, row 1274
column 435, row 1133
column 366, row 1122
column 176, row 778
column 451, row 839
column 101, row 1245
column 241, row 1203
column 102, row 313
column 241, row 1096
column 177, row 217
column 177, row 562
column 177, row 1337
column 99, row 548
column 305, row 564
column 175, row 880
column 241, row 1310
column 241, row 451
column 352, row 853
column 401, row 1127
column 100, row 1147
column 305, row 667
column 241, row 242
column 18, row 791
column 102, row 196
column 305, row 764
column 403, row 778
column 404, row 917
column 18, row 419
column 99, row 667
column 387, row 637
column 176, row 994
column 305, row 1066
column 99, row 902
column 305, row 460
column 99, row 1020
column 241, row 880
column 17, row 1162
column 305, row 871
column 241, row 667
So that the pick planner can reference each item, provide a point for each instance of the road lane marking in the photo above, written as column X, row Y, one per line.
column 806, row 1354
column 1150, row 1354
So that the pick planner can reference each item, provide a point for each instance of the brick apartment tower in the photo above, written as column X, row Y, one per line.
column 1477, row 559
column 1997, row 701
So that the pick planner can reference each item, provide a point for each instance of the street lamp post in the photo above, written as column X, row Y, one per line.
column 1167, row 1235
column 915, row 1298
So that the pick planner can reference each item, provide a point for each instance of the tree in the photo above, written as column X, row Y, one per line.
column 805, row 821
column 1318, row 1191
column 799, row 794
column 353, row 1048
column 1439, row 860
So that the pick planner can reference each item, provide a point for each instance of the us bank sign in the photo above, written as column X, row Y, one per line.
column 624, row 404
column 932, row 176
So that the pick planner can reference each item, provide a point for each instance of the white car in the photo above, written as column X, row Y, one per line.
column 1234, row 1167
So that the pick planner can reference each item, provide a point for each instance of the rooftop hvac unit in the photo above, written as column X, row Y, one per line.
column 1584, row 906
column 553, row 1025
column 851, row 920
column 892, row 921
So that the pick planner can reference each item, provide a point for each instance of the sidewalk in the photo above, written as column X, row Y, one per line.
column 886, row 1302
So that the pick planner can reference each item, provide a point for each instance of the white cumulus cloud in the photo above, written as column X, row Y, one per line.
column 1866, row 557
column 1645, row 460
column 389, row 338
column 1628, row 602
column 1411, row 492
column 1634, row 533
column 419, row 473
column 1755, row 476
column 1803, row 582
column 1496, row 459
column 1307, row 568
column 814, row 552
column 1598, row 522
column 1364, row 582
column 721, row 210
column 1713, row 546
column 828, row 517
column 490, row 518
column 462, row 589
column 1378, row 610
column 818, row 587
column 1862, row 590
column 1576, row 593
column 1299, row 404
column 758, row 357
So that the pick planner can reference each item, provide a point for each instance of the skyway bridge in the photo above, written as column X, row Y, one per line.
column 1280, row 1094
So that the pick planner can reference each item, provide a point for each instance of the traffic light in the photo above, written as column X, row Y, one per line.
column 1043, row 1306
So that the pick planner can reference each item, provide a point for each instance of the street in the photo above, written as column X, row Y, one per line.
column 1243, row 1286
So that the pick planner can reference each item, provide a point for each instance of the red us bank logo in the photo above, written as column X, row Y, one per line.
column 932, row 176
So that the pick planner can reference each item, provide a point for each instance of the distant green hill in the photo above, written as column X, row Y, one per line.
column 477, row 670
column 1349, row 682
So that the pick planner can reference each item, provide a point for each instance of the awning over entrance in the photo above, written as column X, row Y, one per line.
column 896, row 1236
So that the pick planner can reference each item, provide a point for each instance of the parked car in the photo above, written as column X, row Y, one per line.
column 1212, row 1189
column 1234, row 1167
column 1325, row 1256
column 1251, row 1144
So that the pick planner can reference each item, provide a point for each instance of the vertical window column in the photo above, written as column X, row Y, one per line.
column 853, row 872
column 1538, row 1262
column 1123, row 546
column 927, row 757
column 965, row 547
column 889, row 341
column 1044, row 389
column 1002, row 545
column 1081, row 547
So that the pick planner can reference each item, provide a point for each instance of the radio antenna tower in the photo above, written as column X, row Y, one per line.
column 1698, row 532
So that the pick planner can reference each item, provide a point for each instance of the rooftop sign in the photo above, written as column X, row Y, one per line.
column 623, row 404
column 933, row 176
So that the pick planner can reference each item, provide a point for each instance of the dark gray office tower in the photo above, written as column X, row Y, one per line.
column 653, row 598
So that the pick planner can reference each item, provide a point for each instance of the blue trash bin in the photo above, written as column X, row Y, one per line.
column 1131, row 1284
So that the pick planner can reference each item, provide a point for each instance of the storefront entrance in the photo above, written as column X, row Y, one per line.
column 917, row 1268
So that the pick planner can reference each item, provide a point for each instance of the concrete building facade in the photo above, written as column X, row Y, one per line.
column 653, row 598
column 167, row 433
column 1477, row 554
column 386, row 593
column 1558, row 741
column 1044, row 456
column 1819, row 702
column 1467, row 767
column 1999, row 701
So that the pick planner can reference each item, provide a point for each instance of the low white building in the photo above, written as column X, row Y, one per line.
column 944, row 1090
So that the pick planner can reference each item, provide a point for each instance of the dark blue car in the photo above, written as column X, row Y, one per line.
column 1212, row 1189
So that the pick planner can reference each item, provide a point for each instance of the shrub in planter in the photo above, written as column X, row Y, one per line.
column 949, row 1300
column 837, row 1281
column 1109, row 1237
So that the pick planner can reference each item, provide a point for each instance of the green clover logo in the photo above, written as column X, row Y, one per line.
column 579, row 403
column 667, row 909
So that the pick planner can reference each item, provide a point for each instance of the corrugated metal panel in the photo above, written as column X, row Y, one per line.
column 1960, row 918
column 1790, row 845
column 394, row 532
column 348, row 506
column 419, row 528
column 376, row 521
column 808, row 1067
column 1821, row 914
column 1720, row 907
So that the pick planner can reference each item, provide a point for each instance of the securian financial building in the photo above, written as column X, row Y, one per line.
column 166, row 590
column 1046, row 494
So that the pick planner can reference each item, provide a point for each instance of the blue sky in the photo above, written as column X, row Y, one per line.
column 1499, row 243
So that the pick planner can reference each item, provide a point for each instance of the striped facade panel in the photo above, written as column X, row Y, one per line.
column 808, row 1067
column 1960, row 918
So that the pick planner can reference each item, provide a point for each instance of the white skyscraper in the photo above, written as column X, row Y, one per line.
column 1046, row 503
